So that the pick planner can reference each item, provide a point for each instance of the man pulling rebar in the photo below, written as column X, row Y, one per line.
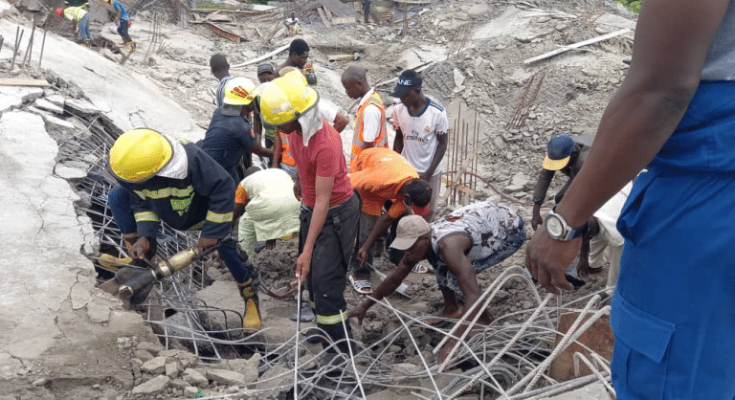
column 458, row 246
column 161, row 179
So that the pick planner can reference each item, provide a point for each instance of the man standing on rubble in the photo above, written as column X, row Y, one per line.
column 459, row 246
column 221, row 70
column 122, row 19
column 565, row 154
column 422, row 131
column 330, row 208
column 161, row 179
column 370, row 126
column 382, row 175
column 298, row 57
column 674, row 114
column 228, row 136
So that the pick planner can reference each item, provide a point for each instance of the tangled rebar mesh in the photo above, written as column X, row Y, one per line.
column 507, row 360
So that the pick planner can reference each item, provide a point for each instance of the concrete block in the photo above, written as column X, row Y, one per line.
column 226, row 377
column 97, row 311
column 247, row 367
column 191, row 391
column 56, row 100
column 156, row 365
column 153, row 386
column 143, row 355
column 194, row 377
column 152, row 348
column 44, row 104
column 172, row 369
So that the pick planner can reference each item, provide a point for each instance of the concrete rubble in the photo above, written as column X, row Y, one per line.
column 60, row 337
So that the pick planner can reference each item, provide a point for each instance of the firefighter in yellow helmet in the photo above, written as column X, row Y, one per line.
column 331, row 210
column 229, row 134
column 174, row 181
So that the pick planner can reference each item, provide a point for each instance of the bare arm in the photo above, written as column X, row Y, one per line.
column 277, row 149
column 340, row 122
column 664, row 75
column 387, row 287
column 398, row 141
column 441, row 149
column 261, row 151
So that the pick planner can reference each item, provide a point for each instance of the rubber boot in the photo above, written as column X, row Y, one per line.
column 133, row 48
column 251, row 318
column 112, row 263
column 87, row 43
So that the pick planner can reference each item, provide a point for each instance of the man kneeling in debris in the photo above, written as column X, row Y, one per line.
column 459, row 246
column 162, row 179
column 268, row 207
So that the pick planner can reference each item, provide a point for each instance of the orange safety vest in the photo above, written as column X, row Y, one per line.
column 286, row 156
column 358, row 141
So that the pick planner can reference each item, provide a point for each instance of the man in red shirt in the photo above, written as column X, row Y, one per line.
column 330, row 209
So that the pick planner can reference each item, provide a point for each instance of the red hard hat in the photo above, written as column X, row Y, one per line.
column 59, row 11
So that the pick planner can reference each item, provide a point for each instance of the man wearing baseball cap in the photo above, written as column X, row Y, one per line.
column 565, row 154
column 422, row 129
column 459, row 246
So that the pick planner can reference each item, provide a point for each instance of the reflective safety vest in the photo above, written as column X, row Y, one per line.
column 286, row 156
column 358, row 141
column 75, row 13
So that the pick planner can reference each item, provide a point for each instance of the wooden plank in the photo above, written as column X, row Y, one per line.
column 576, row 46
column 343, row 20
column 323, row 16
column 227, row 34
column 329, row 14
column 342, row 57
column 24, row 82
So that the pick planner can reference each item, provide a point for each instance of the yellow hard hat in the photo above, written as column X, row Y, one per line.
column 293, row 74
column 239, row 92
column 285, row 99
column 139, row 154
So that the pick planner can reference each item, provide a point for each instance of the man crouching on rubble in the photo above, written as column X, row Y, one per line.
column 458, row 246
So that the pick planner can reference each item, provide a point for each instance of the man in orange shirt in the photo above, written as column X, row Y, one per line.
column 382, row 175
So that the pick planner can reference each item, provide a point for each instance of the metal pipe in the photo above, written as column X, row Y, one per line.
column 43, row 44
column 18, row 39
column 29, row 50
column 296, row 341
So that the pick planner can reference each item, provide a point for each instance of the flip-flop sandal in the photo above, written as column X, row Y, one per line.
column 361, row 286
column 420, row 269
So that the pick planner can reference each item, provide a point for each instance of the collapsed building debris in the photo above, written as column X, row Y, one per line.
column 469, row 52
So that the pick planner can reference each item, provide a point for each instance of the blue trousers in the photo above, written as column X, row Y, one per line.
column 118, row 199
column 673, row 311
column 83, row 27
column 122, row 29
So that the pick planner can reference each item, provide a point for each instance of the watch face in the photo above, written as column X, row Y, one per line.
column 554, row 227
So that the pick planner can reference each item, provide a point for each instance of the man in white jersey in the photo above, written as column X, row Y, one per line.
column 422, row 129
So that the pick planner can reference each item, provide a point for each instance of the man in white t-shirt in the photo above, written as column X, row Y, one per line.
column 422, row 129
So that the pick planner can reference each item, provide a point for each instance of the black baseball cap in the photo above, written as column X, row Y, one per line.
column 408, row 80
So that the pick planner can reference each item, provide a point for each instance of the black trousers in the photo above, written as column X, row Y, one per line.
column 328, row 275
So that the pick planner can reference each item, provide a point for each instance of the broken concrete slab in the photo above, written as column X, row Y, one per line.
column 153, row 386
column 225, row 377
column 15, row 96
column 128, row 99
column 57, row 124
column 44, row 104
column 247, row 367
column 70, row 173
column 155, row 365
column 194, row 377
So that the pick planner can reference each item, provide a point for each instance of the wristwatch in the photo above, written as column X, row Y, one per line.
column 557, row 227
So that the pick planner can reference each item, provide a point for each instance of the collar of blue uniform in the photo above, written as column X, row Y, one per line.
column 178, row 167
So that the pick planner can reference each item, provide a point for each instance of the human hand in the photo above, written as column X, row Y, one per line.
column 536, row 219
column 361, row 256
column 297, row 189
column 303, row 265
column 584, row 270
column 206, row 243
column 359, row 313
column 270, row 244
column 140, row 248
column 547, row 260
